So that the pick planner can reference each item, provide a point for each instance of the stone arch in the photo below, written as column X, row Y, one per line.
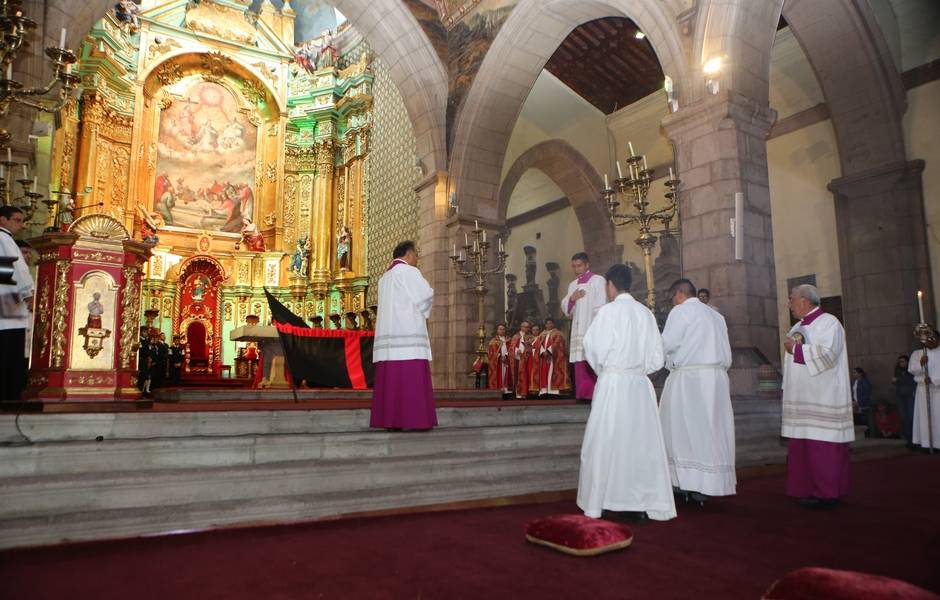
column 389, row 27
column 849, row 55
column 580, row 182
column 530, row 35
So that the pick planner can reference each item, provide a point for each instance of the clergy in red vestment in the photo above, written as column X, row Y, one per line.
column 553, row 361
column 402, row 396
column 498, row 363
column 817, row 403
column 520, row 355
column 534, row 361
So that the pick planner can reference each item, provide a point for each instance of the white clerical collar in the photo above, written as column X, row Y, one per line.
column 623, row 295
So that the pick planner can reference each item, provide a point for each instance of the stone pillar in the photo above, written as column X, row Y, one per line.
column 884, row 261
column 322, row 215
column 721, row 149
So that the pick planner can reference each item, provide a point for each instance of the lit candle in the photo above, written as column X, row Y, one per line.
column 672, row 176
column 34, row 184
column 606, row 183
column 62, row 35
column 619, row 171
column 920, row 304
column 630, row 146
column 25, row 174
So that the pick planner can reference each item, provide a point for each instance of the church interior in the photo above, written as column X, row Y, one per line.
column 188, row 168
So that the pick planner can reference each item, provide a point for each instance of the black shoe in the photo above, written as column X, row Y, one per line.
column 811, row 502
column 698, row 498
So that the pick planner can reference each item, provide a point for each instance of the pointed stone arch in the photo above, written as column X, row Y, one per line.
column 582, row 185
column 530, row 35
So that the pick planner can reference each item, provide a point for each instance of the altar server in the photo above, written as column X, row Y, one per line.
column 402, row 397
column 16, row 307
column 586, row 294
column 698, row 423
column 623, row 457
column 919, row 363
column 817, row 403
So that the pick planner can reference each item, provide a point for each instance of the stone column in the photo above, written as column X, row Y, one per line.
column 884, row 260
column 322, row 217
column 721, row 149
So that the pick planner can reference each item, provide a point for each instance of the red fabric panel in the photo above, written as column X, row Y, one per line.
column 814, row 583
column 579, row 533
column 354, row 363
column 322, row 333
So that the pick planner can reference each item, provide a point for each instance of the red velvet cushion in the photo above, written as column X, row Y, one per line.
column 578, row 534
column 814, row 583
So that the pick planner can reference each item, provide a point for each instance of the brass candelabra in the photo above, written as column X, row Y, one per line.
column 633, row 189
column 477, row 255
column 15, row 29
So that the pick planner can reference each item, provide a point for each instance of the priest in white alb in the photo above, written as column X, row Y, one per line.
column 695, row 409
column 817, row 403
column 926, row 371
column 623, row 456
column 402, row 397
column 586, row 294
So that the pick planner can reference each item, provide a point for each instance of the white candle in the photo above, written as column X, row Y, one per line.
column 606, row 184
column 500, row 244
column 645, row 168
column 62, row 35
column 9, row 155
column 466, row 242
column 10, row 71
column 619, row 171
column 25, row 174
column 68, row 68
column 630, row 146
column 460, row 258
column 454, row 252
column 920, row 304
column 456, row 209
column 476, row 225
column 34, row 184
column 672, row 177
column 484, row 235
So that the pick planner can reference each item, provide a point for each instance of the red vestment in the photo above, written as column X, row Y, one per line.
column 553, row 363
column 499, row 369
column 520, row 352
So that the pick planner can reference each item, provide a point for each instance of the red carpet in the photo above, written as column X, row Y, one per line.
column 733, row 548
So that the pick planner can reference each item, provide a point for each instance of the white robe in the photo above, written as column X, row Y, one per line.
column 623, row 457
column 14, row 311
column 401, row 330
column 817, row 396
column 920, row 432
column 583, row 312
column 696, row 414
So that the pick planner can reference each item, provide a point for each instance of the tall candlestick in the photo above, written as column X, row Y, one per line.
column 672, row 177
column 62, row 35
column 619, row 171
column 920, row 304
column 606, row 184
column 630, row 146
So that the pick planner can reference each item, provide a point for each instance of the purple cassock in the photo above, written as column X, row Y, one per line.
column 816, row 468
column 402, row 394
column 584, row 375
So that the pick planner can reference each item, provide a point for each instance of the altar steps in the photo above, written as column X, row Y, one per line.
column 159, row 472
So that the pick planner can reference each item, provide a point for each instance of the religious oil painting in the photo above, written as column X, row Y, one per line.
column 205, row 165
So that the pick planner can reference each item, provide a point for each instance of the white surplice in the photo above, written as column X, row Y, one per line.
column 401, row 330
column 623, row 457
column 583, row 311
column 817, row 396
column 696, row 414
column 921, row 435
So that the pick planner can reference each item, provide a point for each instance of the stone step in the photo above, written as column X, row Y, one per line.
column 59, row 458
column 152, row 520
column 51, row 494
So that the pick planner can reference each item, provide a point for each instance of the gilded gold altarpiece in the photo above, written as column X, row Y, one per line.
column 202, row 123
